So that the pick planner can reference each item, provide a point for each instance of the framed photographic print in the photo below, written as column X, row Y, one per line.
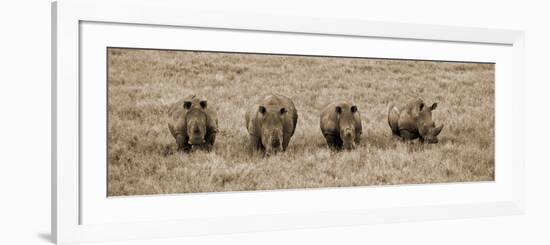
column 173, row 122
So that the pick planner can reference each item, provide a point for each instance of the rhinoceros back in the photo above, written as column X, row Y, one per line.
column 329, row 118
column 291, row 119
column 177, row 116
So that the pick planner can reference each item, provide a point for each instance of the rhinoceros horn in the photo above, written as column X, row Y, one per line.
column 437, row 130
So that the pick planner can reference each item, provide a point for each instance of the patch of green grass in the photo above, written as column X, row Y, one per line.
column 143, row 157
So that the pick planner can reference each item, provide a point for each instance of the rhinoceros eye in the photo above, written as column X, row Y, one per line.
column 354, row 109
column 338, row 109
column 283, row 110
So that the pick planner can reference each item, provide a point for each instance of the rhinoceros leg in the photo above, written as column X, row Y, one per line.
column 210, row 140
column 286, row 141
column 357, row 139
column 333, row 141
column 182, row 142
column 408, row 135
column 255, row 143
column 421, row 139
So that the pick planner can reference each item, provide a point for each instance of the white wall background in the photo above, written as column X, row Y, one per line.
column 25, row 122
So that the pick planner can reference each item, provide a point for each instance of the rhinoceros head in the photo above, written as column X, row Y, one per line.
column 346, row 123
column 271, row 120
column 196, row 121
column 426, row 126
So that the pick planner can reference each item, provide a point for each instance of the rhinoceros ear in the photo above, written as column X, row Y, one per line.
column 262, row 109
column 187, row 104
column 434, row 105
column 203, row 104
column 283, row 111
column 338, row 109
column 354, row 109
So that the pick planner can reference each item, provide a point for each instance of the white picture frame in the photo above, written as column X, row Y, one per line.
column 69, row 197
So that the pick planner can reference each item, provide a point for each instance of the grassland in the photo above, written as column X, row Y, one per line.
column 142, row 156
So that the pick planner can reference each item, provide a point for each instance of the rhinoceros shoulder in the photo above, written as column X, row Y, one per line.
column 251, row 119
column 176, row 110
column 328, row 118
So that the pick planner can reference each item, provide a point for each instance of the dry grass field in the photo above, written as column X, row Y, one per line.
column 142, row 156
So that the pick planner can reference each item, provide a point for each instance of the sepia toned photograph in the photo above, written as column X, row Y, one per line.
column 199, row 121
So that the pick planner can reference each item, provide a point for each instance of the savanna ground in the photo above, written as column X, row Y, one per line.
column 142, row 156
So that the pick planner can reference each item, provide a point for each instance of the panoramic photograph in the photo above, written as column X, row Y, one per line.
column 200, row 122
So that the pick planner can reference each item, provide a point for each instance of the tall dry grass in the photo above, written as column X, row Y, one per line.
column 142, row 156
